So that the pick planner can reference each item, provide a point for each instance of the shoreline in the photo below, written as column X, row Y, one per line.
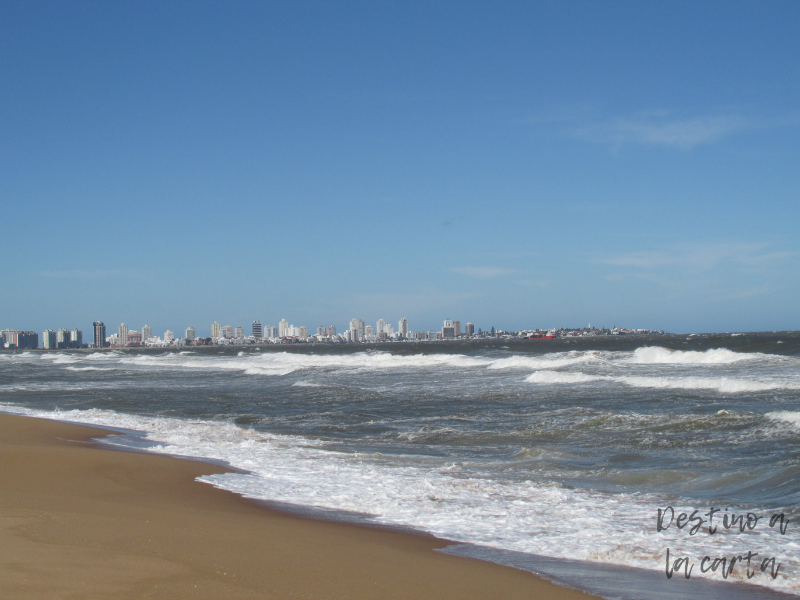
column 80, row 519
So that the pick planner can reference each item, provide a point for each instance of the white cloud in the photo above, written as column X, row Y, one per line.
column 653, row 127
column 656, row 129
column 697, row 257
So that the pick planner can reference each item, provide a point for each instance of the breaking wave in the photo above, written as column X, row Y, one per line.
column 656, row 355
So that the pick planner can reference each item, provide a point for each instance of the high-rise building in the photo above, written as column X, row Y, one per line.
column 169, row 336
column 227, row 332
column 448, row 331
column 331, row 330
column 271, row 332
column 63, row 338
column 381, row 327
column 470, row 329
column 189, row 334
column 368, row 330
column 240, row 333
column 357, row 330
column 303, row 332
column 76, row 338
column 122, row 336
column 457, row 328
column 321, row 330
column 8, row 336
column 283, row 327
column 99, row 334
column 216, row 330
column 147, row 333
column 402, row 327
column 27, row 340
column 49, row 339
column 257, row 331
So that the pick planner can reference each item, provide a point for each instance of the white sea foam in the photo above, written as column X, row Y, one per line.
column 304, row 383
column 655, row 355
column 446, row 500
column 555, row 360
column 725, row 385
column 562, row 377
column 283, row 363
column 787, row 416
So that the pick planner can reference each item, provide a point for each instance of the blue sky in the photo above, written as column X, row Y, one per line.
column 509, row 164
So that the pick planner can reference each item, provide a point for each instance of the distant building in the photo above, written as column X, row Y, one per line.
column 49, row 339
column 99, row 334
column 457, row 328
column 63, row 339
column 331, row 331
column 257, row 331
column 216, row 330
column 8, row 336
column 227, row 332
column 122, row 336
column 283, row 327
column 169, row 336
column 402, row 327
column 321, row 330
column 147, row 333
column 239, row 333
column 76, row 338
column 448, row 331
column 134, row 338
column 356, row 330
column 368, row 330
column 27, row 340
column 470, row 330
column 271, row 332
column 189, row 335
column 381, row 327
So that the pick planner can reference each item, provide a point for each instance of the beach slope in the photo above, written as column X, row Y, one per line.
column 78, row 521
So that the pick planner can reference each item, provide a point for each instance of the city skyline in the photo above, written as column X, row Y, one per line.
column 527, row 164
column 358, row 331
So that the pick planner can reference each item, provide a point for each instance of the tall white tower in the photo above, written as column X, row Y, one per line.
column 123, row 335
column 402, row 327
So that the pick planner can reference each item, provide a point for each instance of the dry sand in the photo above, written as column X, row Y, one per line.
column 78, row 521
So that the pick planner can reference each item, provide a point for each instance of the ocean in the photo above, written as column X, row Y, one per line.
column 550, row 455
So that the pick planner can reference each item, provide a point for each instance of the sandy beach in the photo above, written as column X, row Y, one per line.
column 80, row 521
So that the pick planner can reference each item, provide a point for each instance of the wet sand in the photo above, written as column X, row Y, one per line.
column 80, row 521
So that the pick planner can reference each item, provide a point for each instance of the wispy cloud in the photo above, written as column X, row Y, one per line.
column 654, row 127
column 88, row 273
column 483, row 272
column 697, row 257
column 663, row 130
